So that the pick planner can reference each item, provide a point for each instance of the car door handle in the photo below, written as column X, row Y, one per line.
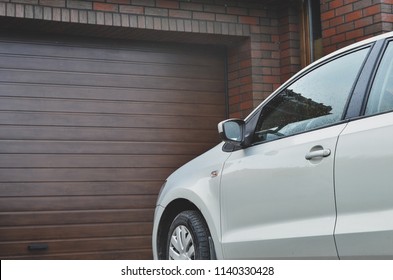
column 320, row 153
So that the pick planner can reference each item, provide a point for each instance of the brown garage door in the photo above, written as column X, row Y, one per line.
column 88, row 132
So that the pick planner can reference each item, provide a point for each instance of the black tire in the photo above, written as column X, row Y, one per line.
column 188, row 237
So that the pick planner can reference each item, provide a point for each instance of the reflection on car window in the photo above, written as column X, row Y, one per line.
column 381, row 94
column 315, row 100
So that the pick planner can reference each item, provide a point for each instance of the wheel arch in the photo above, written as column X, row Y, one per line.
column 171, row 211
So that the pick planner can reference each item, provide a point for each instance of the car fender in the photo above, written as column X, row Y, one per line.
column 199, row 183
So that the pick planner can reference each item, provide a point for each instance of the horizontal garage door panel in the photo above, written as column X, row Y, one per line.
column 100, row 147
column 144, row 70
column 42, row 189
column 44, row 218
column 106, row 120
column 83, row 174
column 108, row 107
column 89, row 130
column 133, row 254
column 76, row 231
column 115, row 94
column 104, row 80
column 76, row 203
column 80, row 245
column 23, row 132
column 116, row 51
column 89, row 161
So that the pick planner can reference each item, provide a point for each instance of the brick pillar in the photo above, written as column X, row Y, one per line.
column 289, row 32
column 240, row 84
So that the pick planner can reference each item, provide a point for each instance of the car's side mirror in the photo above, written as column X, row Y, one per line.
column 232, row 131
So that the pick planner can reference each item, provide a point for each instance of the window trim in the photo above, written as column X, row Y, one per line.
column 372, row 75
column 357, row 103
column 253, row 119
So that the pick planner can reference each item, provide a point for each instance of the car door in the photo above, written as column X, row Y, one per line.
column 277, row 196
column 364, row 174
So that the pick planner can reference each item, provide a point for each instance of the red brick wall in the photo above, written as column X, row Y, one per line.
column 347, row 21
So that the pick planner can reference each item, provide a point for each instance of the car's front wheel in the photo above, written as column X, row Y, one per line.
column 188, row 237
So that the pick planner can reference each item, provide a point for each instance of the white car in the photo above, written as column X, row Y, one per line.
column 308, row 174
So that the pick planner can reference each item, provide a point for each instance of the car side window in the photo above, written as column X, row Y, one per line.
column 381, row 95
column 315, row 100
